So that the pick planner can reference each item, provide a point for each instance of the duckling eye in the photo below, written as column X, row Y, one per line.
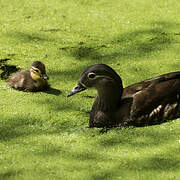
column 36, row 70
column 91, row 75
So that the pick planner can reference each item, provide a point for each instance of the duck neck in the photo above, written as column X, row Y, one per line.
column 108, row 98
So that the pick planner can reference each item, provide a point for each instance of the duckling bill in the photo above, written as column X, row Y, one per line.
column 149, row 102
column 34, row 79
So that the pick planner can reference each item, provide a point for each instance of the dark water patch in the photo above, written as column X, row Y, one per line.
column 7, row 69
column 53, row 91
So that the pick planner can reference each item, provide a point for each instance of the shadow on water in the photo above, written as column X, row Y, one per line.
column 152, row 163
column 53, row 91
column 30, row 37
column 7, row 69
column 129, row 45
column 125, row 46
column 9, row 174
column 88, row 96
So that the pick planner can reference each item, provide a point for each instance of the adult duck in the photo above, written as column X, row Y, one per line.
column 149, row 102
column 34, row 79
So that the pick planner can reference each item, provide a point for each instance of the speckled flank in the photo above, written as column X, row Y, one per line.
column 155, row 111
column 168, row 111
column 160, row 114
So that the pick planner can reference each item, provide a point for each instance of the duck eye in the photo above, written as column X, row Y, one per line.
column 91, row 75
column 36, row 70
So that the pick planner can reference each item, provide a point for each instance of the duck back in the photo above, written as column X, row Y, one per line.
column 153, row 101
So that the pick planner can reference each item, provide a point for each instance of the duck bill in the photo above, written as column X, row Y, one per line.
column 45, row 77
column 76, row 89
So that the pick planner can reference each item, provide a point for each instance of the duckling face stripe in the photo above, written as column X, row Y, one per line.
column 36, row 70
column 35, row 73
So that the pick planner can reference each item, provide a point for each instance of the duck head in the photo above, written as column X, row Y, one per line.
column 101, row 77
column 38, row 71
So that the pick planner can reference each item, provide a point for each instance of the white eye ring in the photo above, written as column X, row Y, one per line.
column 91, row 75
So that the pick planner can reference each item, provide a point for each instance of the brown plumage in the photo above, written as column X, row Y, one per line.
column 34, row 79
column 149, row 102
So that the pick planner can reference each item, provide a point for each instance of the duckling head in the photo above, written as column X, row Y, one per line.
column 38, row 71
column 101, row 77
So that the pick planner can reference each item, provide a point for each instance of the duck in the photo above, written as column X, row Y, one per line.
column 152, row 101
column 34, row 79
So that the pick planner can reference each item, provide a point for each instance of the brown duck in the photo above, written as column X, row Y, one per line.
column 149, row 102
column 34, row 79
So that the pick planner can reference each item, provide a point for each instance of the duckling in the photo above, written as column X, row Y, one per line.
column 149, row 102
column 34, row 79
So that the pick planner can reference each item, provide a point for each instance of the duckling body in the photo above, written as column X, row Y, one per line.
column 149, row 102
column 34, row 79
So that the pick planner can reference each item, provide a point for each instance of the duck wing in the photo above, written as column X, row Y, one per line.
column 132, row 89
column 154, row 100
